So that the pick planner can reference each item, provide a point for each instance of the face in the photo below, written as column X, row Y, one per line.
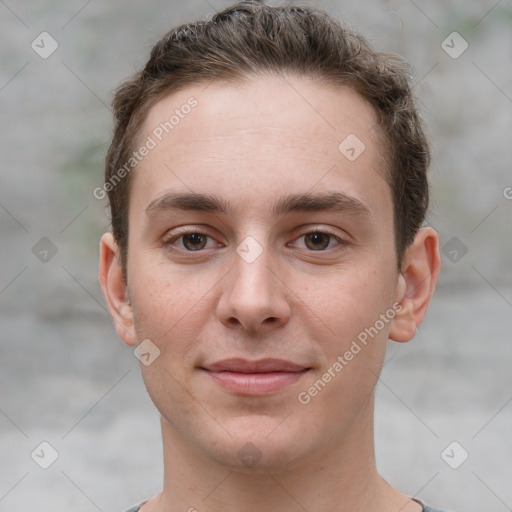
column 254, row 235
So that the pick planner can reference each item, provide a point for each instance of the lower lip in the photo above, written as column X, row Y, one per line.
column 255, row 383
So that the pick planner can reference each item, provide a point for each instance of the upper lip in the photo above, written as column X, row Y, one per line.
column 259, row 366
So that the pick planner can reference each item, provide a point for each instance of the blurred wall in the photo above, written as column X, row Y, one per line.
column 66, row 379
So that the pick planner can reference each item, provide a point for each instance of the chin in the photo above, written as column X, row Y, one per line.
column 258, row 445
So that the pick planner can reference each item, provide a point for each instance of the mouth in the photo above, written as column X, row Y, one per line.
column 256, row 378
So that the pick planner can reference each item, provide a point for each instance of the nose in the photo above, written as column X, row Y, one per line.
column 253, row 296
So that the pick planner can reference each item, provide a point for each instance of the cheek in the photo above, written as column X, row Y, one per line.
column 162, row 292
column 353, row 343
column 169, row 318
column 348, row 300
column 171, row 307
column 168, row 311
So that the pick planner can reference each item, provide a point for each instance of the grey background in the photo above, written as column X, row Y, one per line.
column 66, row 379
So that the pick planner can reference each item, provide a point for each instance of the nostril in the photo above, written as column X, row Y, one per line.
column 234, row 321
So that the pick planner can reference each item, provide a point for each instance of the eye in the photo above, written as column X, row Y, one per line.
column 320, row 240
column 190, row 241
column 195, row 241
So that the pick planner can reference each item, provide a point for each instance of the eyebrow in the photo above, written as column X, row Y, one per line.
column 333, row 201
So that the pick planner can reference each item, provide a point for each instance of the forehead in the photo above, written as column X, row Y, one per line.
column 269, row 133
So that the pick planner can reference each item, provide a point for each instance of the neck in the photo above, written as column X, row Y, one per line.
column 342, row 477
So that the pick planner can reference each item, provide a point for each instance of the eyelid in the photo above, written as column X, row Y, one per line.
column 318, row 229
column 338, row 234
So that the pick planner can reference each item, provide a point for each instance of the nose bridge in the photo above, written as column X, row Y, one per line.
column 253, row 297
column 252, row 278
column 251, row 263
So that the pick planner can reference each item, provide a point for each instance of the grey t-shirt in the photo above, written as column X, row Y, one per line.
column 426, row 508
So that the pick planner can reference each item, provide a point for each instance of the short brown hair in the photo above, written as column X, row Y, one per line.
column 251, row 38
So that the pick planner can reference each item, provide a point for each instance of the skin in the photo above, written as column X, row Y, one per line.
column 305, row 298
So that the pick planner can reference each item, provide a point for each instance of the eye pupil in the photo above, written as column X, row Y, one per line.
column 194, row 239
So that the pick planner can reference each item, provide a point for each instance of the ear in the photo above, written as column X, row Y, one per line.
column 115, row 289
column 416, row 284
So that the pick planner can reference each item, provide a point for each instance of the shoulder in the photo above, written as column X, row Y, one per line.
column 426, row 508
column 135, row 508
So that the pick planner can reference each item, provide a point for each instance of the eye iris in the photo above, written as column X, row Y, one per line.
column 194, row 239
column 317, row 238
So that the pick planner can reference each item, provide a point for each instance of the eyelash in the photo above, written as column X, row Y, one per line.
column 168, row 244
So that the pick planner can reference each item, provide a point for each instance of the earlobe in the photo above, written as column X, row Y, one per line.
column 115, row 289
column 416, row 284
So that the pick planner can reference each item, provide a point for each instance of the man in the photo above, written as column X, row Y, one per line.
column 267, row 185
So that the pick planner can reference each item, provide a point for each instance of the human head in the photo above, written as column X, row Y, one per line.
column 251, row 38
column 259, row 158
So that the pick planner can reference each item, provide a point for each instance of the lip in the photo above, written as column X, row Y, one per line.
column 240, row 365
column 260, row 377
